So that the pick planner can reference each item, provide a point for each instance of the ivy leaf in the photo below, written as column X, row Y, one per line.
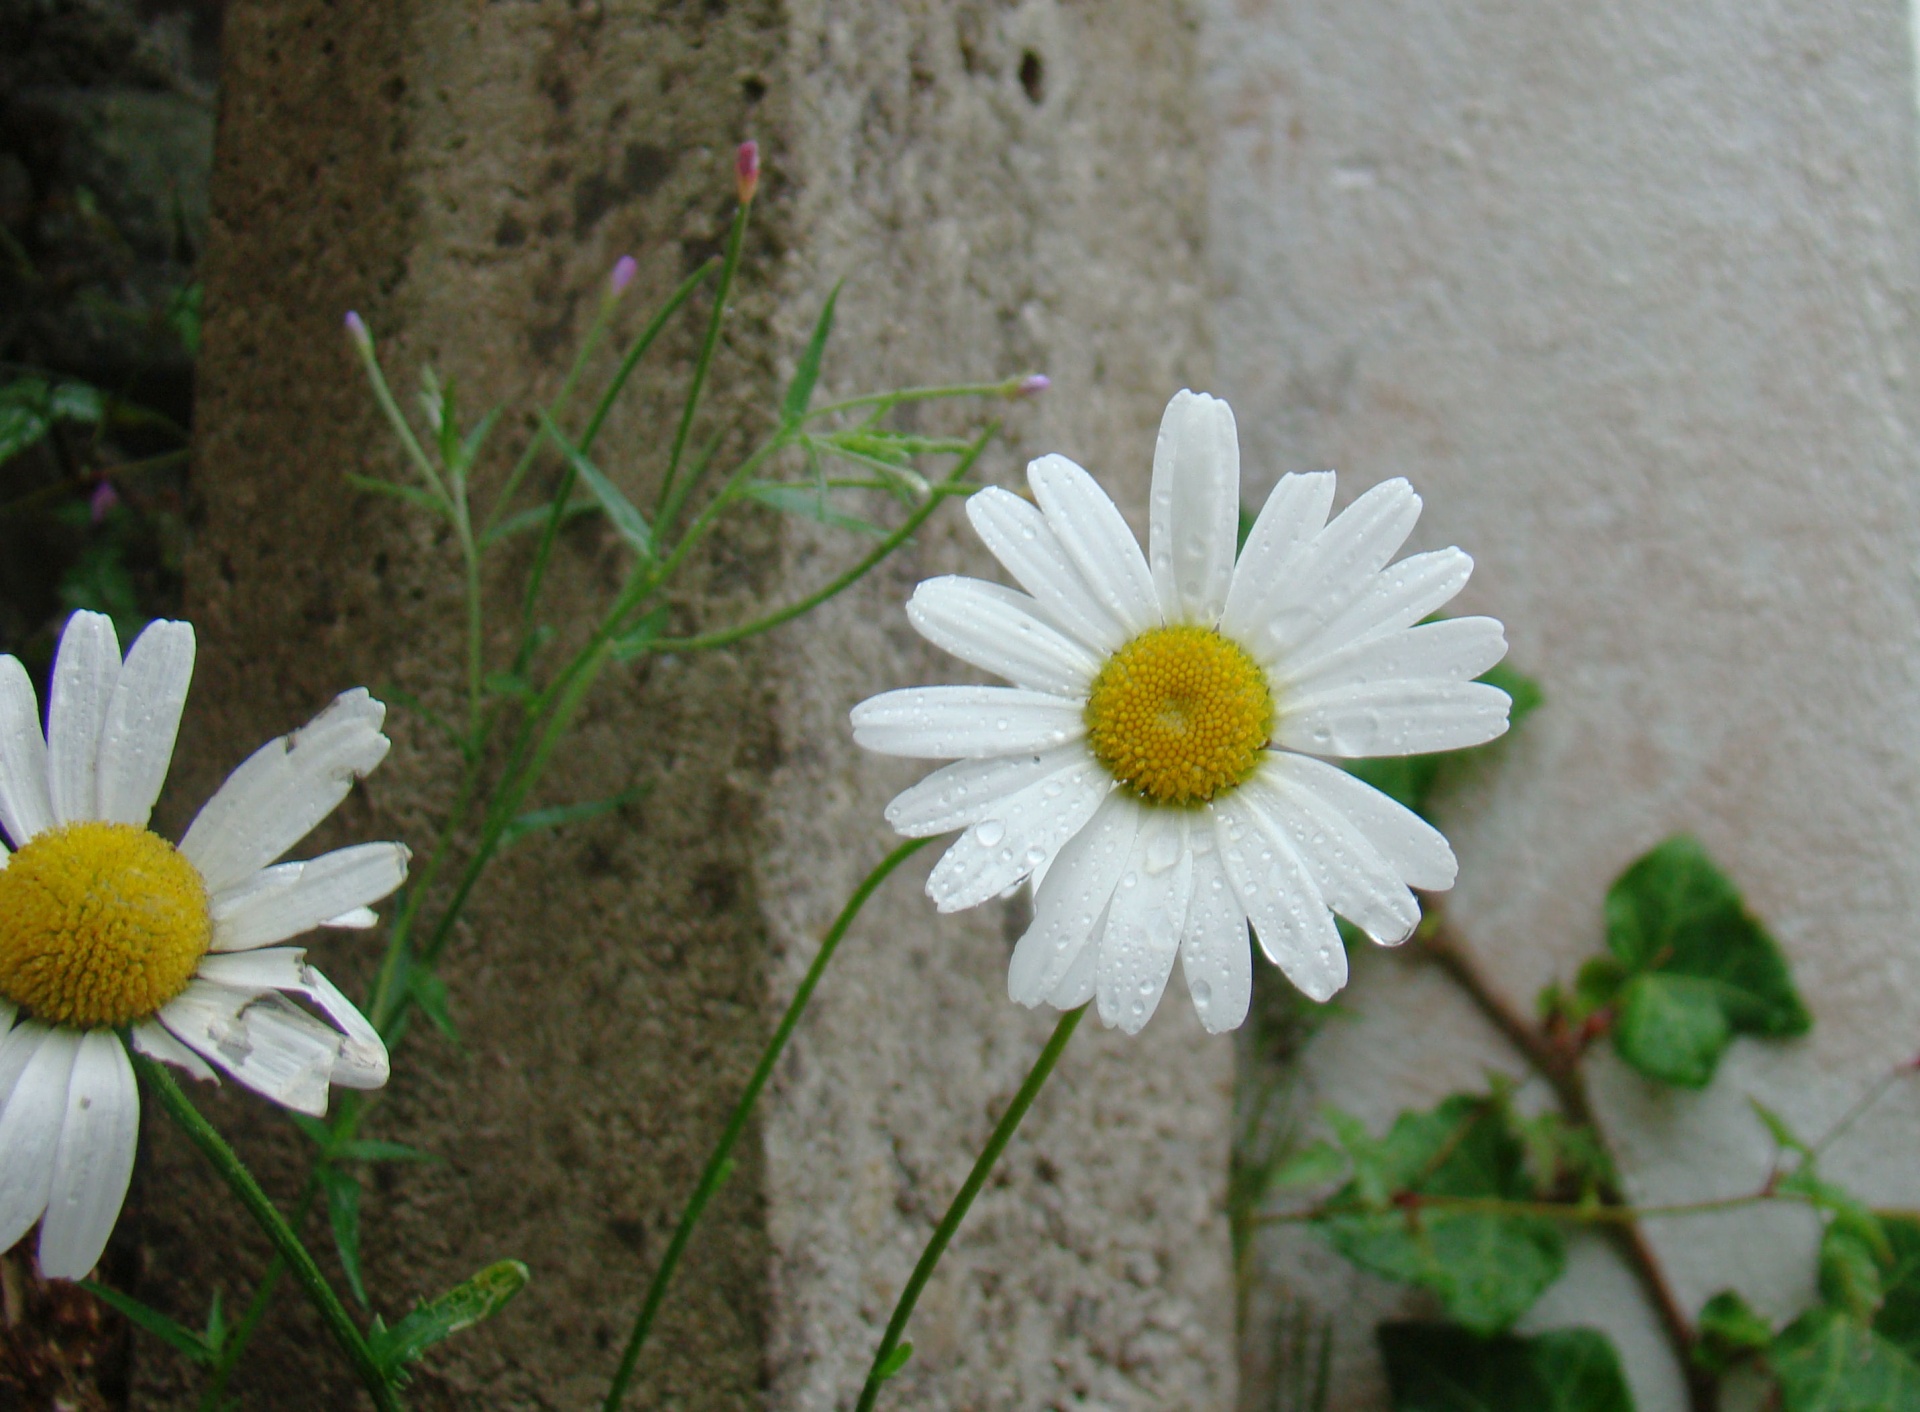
column 1826, row 1361
column 1703, row 969
column 1486, row 1268
column 1899, row 1316
column 461, row 1307
column 1730, row 1332
column 1849, row 1273
column 1443, row 1368
column 1313, row 1165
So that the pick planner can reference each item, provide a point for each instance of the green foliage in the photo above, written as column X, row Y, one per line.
column 1827, row 1361
column 463, row 1306
column 895, row 1361
column 202, row 1348
column 622, row 513
column 1730, row 1332
column 30, row 406
column 343, row 1214
column 1441, row 1368
column 1412, row 779
column 559, row 816
column 1698, row 967
column 806, row 373
column 1486, row 1267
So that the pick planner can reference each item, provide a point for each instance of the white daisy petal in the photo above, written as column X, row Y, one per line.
column 290, row 898
column 1399, row 596
column 1295, row 512
column 1073, row 899
column 1334, row 570
column 957, row 795
column 1216, row 955
column 1411, row 846
column 264, row 1041
column 358, row 919
column 1095, row 536
column 150, row 1037
column 283, row 789
column 1000, row 630
column 85, row 667
column 1195, row 509
column 17, row 1046
column 1352, row 877
column 1288, row 914
column 143, row 719
column 94, row 1158
column 1393, row 717
column 1144, row 920
column 30, row 1123
column 7, row 1012
column 1451, row 650
column 1021, row 539
column 948, row 722
column 25, row 808
column 1017, row 834
column 362, row 1062
column 1077, row 986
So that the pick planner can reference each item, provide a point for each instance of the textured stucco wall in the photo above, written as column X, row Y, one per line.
column 465, row 177
column 1629, row 291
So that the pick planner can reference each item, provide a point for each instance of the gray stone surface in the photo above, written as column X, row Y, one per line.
column 1003, row 188
column 1629, row 292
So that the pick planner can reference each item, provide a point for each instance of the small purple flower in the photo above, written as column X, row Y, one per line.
column 1033, row 385
column 624, row 269
column 103, row 499
column 357, row 331
column 746, row 170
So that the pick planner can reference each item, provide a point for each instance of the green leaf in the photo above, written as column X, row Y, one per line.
column 343, row 1212
column 807, row 372
column 177, row 1336
column 320, row 1134
column 809, row 502
column 459, row 1308
column 469, row 449
column 638, row 638
column 1849, row 1273
column 373, row 1150
column 1825, row 1361
column 1314, row 1165
column 541, row 820
column 1486, row 1268
column 896, row 1360
column 1442, row 1368
column 1784, row 1137
column 76, row 402
column 1899, row 1316
column 621, row 512
column 24, row 418
column 429, row 992
column 412, row 494
column 1704, row 969
column 536, row 518
column 1730, row 1332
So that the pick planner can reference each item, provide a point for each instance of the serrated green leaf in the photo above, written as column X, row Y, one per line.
column 1730, row 1332
column 1674, row 919
column 1443, row 1368
column 546, row 820
column 895, row 1361
column 806, row 373
column 1825, row 1361
column 1849, row 1273
column 343, row 1214
column 175, row 1335
column 1485, row 1268
column 461, row 1307
column 809, row 502
column 622, row 513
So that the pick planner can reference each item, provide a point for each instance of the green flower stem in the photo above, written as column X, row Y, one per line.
column 398, row 421
column 729, row 266
column 285, row 1243
column 721, row 1159
column 1573, row 1212
column 882, row 401
column 957, row 1210
column 214, row 1397
column 725, row 636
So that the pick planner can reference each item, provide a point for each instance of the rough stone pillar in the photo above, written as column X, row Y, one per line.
column 1630, row 292
column 1003, row 188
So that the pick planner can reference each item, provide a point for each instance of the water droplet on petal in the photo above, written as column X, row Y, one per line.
column 990, row 832
column 1202, row 994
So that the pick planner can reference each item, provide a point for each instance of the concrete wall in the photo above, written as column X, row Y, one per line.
column 1004, row 188
column 1629, row 291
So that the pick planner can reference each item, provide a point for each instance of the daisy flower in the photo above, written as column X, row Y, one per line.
column 109, row 932
column 1156, row 766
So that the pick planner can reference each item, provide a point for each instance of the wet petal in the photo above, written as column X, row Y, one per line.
column 290, row 898
column 143, row 719
column 1411, row 846
column 1021, row 539
column 1144, row 921
column 1216, row 954
column 1095, row 536
column 1194, row 508
column 1073, row 899
column 947, row 722
column 957, row 795
column 1000, row 631
column 31, row 1121
column 94, row 1159
column 1274, row 888
column 1392, row 718
column 1017, row 835
column 25, row 806
column 84, row 670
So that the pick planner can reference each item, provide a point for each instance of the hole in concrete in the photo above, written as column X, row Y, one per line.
column 753, row 88
column 1033, row 76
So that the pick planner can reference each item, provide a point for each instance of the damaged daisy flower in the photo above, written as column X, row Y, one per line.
column 108, row 930
column 1159, row 767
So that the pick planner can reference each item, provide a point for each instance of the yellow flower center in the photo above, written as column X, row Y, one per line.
column 1179, row 715
column 100, row 925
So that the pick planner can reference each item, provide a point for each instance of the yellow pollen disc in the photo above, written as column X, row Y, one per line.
column 1180, row 715
column 100, row 925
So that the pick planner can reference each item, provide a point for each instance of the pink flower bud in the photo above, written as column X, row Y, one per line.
column 357, row 331
column 624, row 269
column 746, row 170
column 103, row 499
column 1033, row 385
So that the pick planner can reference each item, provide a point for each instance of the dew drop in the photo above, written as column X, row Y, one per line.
column 1162, row 853
column 1202, row 994
column 990, row 832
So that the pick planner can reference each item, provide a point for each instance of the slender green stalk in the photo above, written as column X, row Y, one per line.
column 719, row 1162
column 285, row 1243
column 1573, row 1212
column 724, row 636
column 963, row 1200
column 398, row 421
column 729, row 266
column 884, row 400
column 214, row 1396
